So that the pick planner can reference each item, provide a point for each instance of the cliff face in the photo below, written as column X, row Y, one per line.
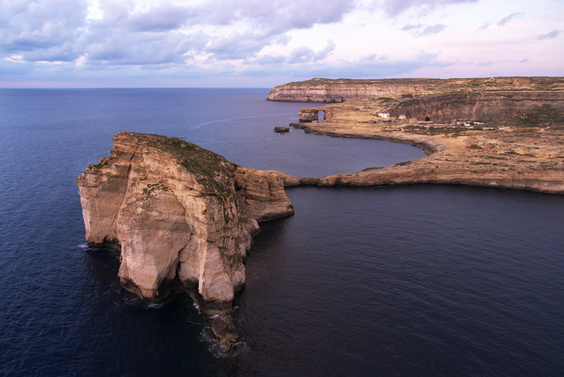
column 499, row 139
column 179, row 214
column 486, row 106
column 339, row 90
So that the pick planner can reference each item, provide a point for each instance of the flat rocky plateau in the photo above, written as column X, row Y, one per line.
column 498, row 132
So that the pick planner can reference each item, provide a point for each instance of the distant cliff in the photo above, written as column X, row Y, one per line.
column 181, row 215
column 475, row 131
column 339, row 90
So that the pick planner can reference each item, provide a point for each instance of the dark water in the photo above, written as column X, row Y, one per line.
column 402, row 281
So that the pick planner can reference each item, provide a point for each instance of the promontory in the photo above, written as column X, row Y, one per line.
column 182, row 216
column 505, row 132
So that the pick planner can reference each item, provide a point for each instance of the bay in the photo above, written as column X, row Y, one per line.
column 389, row 281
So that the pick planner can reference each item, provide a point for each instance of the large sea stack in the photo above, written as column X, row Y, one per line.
column 181, row 216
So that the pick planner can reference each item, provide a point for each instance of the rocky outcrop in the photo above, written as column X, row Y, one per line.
column 525, row 154
column 473, row 106
column 180, row 215
column 281, row 130
column 339, row 90
column 498, row 132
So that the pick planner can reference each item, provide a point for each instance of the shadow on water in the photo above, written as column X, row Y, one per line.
column 389, row 281
column 407, row 280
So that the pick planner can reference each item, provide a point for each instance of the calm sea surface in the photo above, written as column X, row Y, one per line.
column 385, row 281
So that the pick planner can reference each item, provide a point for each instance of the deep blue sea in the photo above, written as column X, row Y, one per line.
column 382, row 281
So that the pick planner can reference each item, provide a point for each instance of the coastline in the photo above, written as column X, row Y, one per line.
column 505, row 132
column 502, row 157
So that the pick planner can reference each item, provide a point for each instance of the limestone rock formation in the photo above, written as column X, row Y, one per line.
column 180, row 215
column 340, row 90
column 495, row 139
column 225, row 331
column 487, row 106
column 281, row 130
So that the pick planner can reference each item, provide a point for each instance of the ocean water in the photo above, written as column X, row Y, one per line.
column 382, row 281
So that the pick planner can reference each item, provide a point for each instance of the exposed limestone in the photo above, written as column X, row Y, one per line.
column 179, row 214
column 503, row 132
column 339, row 90
column 506, row 140
column 281, row 130
column 225, row 331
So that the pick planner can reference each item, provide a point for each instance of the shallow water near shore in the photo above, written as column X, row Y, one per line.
column 386, row 281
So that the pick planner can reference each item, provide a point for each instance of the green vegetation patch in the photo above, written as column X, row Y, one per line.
column 207, row 166
column 154, row 186
column 385, row 99
column 545, row 115
column 103, row 162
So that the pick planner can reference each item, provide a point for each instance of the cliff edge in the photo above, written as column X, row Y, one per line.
column 181, row 216
column 495, row 137
column 340, row 90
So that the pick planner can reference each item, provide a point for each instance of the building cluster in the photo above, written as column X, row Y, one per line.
column 387, row 118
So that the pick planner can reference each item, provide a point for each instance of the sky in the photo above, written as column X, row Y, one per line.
column 263, row 43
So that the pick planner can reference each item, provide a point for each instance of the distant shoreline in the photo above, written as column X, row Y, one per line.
column 501, row 138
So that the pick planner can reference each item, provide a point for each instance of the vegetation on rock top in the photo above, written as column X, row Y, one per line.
column 207, row 166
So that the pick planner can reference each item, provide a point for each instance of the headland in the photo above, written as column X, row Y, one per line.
column 494, row 132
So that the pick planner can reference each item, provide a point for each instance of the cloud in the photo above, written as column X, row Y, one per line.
column 125, row 32
column 14, row 59
column 369, row 66
column 326, row 51
column 432, row 29
column 236, row 45
column 107, row 40
column 218, row 30
column 409, row 27
column 550, row 35
column 485, row 64
column 395, row 7
column 419, row 30
column 274, row 16
column 506, row 20
column 301, row 55
column 45, row 29
column 164, row 17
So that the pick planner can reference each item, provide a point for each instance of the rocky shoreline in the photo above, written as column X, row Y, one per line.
column 183, row 217
column 452, row 162
column 511, row 139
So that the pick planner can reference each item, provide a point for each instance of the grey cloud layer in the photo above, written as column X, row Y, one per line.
column 395, row 7
column 193, row 38
column 550, row 35
column 505, row 20
column 48, row 25
column 57, row 30
column 419, row 30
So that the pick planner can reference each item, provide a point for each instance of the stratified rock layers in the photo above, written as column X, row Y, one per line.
column 340, row 90
column 178, row 213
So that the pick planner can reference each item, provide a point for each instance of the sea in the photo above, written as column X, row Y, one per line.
column 415, row 280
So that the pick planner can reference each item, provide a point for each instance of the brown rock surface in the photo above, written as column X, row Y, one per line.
column 339, row 90
column 501, row 132
column 225, row 331
column 177, row 212
column 520, row 144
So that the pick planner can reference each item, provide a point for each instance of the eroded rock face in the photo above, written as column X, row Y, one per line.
column 179, row 214
column 486, row 106
column 340, row 90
